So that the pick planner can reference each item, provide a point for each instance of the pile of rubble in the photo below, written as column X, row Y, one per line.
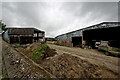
column 68, row 66
column 17, row 66
column 61, row 66
column 29, row 49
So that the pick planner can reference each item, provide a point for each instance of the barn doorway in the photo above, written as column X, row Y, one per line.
column 77, row 41
column 105, row 34
column 26, row 39
column 14, row 39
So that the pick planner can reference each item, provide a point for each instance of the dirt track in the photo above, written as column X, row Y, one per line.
column 93, row 56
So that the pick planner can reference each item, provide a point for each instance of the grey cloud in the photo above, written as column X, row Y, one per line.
column 58, row 17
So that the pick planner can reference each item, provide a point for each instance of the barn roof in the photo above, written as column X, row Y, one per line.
column 90, row 27
column 24, row 30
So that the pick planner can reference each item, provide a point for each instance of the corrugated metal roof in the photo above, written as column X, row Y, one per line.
column 22, row 31
column 24, row 27
column 89, row 27
column 19, row 27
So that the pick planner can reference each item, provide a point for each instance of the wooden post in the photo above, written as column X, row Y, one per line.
column 82, row 39
column 8, row 39
column 19, row 39
column 37, row 36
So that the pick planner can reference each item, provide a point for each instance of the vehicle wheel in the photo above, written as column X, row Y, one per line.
column 106, row 53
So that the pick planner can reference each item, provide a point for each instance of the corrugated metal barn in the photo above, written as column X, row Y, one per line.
column 23, row 35
column 91, row 34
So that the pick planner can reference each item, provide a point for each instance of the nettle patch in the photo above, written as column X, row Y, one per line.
column 40, row 53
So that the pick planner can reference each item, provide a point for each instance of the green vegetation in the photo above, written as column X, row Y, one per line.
column 40, row 53
column 56, row 38
column 2, row 25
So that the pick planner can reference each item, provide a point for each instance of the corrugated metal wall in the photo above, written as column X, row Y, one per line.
column 5, row 36
column 68, row 36
column 21, row 31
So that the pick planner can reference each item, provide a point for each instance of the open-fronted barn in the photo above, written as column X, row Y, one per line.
column 23, row 35
column 78, row 37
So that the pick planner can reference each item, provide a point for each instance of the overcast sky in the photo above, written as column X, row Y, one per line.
column 56, row 18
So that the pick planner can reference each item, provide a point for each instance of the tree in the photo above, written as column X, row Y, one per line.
column 2, row 25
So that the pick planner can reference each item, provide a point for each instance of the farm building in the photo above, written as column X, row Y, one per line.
column 89, row 35
column 23, row 35
column 49, row 39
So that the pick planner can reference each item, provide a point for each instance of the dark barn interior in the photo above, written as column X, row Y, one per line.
column 77, row 41
column 21, row 35
column 110, row 34
column 14, row 39
column 26, row 39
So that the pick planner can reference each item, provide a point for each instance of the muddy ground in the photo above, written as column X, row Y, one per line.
column 69, row 66
column 65, row 62
column 66, row 65
column 19, row 66
column 93, row 56
column 30, row 48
